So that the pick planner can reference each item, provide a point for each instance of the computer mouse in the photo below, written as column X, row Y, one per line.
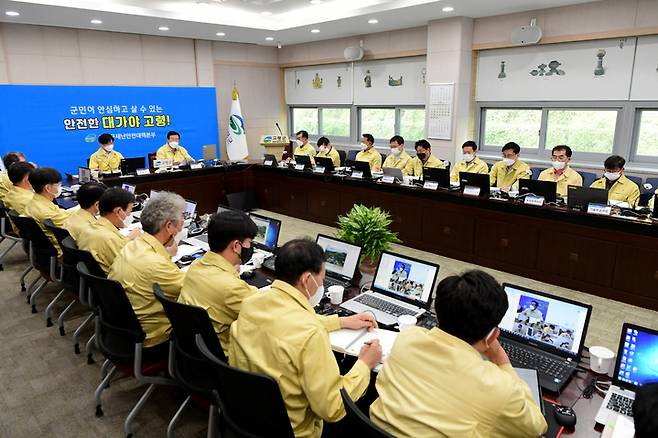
column 565, row 416
column 247, row 275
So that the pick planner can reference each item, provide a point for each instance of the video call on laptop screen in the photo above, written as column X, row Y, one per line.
column 342, row 257
column 544, row 320
column 407, row 278
column 638, row 360
column 268, row 231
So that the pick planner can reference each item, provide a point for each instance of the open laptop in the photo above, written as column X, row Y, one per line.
column 442, row 176
column 394, row 172
column 636, row 364
column 544, row 189
column 190, row 209
column 581, row 197
column 324, row 162
column 128, row 187
column 544, row 332
column 84, row 175
column 401, row 286
column 342, row 260
column 267, row 238
column 359, row 168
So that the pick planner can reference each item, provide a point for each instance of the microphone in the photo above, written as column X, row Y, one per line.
column 279, row 128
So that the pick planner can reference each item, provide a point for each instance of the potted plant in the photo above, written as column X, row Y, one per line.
column 367, row 227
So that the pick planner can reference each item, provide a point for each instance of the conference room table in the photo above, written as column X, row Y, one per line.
column 609, row 256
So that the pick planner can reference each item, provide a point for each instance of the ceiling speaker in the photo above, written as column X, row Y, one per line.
column 353, row 53
column 525, row 35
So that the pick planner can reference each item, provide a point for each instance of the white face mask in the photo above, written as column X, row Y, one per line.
column 364, row 147
column 108, row 147
column 559, row 165
column 173, row 144
column 509, row 161
column 58, row 191
column 395, row 152
column 299, row 143
column 180, row 235
column 128, row 220
column 469, row 157
column 315, row 299
column 322, row 149
column 612, row 176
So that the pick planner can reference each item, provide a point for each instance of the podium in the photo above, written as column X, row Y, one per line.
column 275, row 144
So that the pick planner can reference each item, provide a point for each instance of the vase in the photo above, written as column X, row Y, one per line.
column 367, row 269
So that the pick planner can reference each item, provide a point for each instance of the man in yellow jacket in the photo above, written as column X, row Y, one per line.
column 172, row 150
column 21, row 193
column 303, row 146
column 470, row 162
column 326, row 150
column 506, row 174
column 369, row 154
column 461, row 394
column 620, row 188
column 88, row 197
column 398, row 158
column 560, row 171
column 7, row 160
column 105, row 159
column 213, row 282
column 424, row 159
column 278, row 334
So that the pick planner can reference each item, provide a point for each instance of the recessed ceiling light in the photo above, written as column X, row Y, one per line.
column 373, row 21
column 315, row 30
column 266, row 13
column 448, row 9
column 95, row 21
column 163, row 28
column 220, row 34
column 12, row 13
column 269, row 38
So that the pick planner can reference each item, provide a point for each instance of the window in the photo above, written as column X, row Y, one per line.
column 584, row 130
column 305, row 119
column 647, row 138
column 412, row 124
column 335, row 122
column 518, row 125
column 380, row 122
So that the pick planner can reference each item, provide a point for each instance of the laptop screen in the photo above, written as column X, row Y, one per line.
column 268, row 230
column 406, row 278
column 342, row 257
column 190, row 209
column 128, row 187
column 545, row 320
column 637, row 361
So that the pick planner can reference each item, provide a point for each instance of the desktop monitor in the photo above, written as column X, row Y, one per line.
column 545, row 189
column 305, row 160
column 128, row 187
column 406, row 279
column 469, row 179
column 360, row 166
column 442, row 176
column 129, row 166
column 325, row 162
column 84, row 175
column 209, row 152
column 342, row 258
column 267, row 237
column 581, row 197
column 637, row 357
column 190, row 209
column 548, row 322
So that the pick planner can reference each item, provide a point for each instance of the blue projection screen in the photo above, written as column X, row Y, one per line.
column 58, row 126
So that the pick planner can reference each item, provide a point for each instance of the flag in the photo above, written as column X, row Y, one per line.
column 236, row 140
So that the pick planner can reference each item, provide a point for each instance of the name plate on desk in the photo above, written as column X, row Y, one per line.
column 433, row 185
column 471, row 191
column 196, row 166
column 299, row 167
column 268, row 163
column 143, row 172
column 388, row 179
column 537, row 201
column 357, row 174
column 600, row 209
column 318, row 169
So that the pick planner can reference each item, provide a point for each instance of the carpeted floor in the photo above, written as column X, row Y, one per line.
column 47, row 390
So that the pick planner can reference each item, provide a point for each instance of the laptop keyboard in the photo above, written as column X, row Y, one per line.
column 525, row 358
column 383, row 305
column 620, row 403
column 328, row 282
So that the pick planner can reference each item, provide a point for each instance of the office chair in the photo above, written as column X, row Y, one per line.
column 357, row 423
column 251, row 404
column 73, row 256
column 120, row 338
column 351, row 155
column 43, row 255
column 6, row 233
column 191, row 370
column 648, row 194
column 535, row 172
column 342, row 155
column 69, row 277
column 383, row 157
column 588, row 178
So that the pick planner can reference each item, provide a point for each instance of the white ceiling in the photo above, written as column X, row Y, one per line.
column 251, row 21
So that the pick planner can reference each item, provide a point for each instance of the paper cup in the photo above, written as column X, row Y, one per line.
column 406, row 321
column 601, row 359
column 257, row 260
column 336, row 294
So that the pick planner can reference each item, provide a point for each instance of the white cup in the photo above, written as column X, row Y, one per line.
column 336, row 294
column 406, row 321
column 601, row 359
column 406, row 180
column 257, row 260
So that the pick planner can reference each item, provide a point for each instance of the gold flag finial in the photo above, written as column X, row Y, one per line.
column 235, row 91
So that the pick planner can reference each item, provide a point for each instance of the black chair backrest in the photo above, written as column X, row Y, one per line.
column 251, row 404
column 3, row 215
column 70, row 277
column 357, row 423
column 191, row 368
column 31, row 231
column 71, row 251
column 343, row 156
column 119, row 328
column 59, row 233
